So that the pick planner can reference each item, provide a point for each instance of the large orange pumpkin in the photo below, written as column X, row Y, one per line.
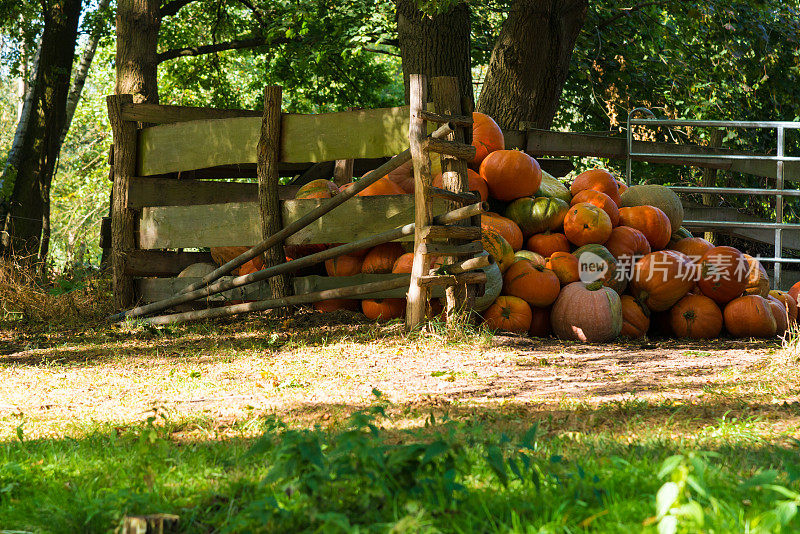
column 383, row 186
column 586, row 223
column 794, row 290
column 508, row 313
column 317, row 189
column 332, row 305
column 566, row 267
column 601, row 200
column 547, row 243
column 723, row 274
column 383, row 309
column 540, row 322
column 696, row 317
column 788, row 301
column 475, row 183
column 757, row 278
column 511, row 174
column 649, row 220
column 694, row 247
column 403, row 176
column 781, row 315
column 662, row 278
column 533, row 283
column 487, row 137
column 627, row 242
column 750, row 316
column 222, row 255
column 381, row 258
column 344, row 265
column 597, row 180
column 505, row 227
column 587, row 313
column 635, row 317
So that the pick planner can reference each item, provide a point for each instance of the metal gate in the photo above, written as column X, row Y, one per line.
column 778, row 192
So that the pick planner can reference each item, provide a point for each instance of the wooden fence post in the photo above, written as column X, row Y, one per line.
column 447, row 99
column 417, row 295
column 122, row 217
column 269, row 146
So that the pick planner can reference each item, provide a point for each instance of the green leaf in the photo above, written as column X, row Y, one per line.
column 668, row 525
column 495, row 459
column 762, row 478
column 666, row 497
column 669, row 465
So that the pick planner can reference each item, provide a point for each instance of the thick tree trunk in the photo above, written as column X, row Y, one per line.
column 39, row 149
column 530, row 62
column 138, row 24
column 435, row 46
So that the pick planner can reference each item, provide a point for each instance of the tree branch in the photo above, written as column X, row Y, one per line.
column 376, row 51
column 219, row 47
column 171, row 8
column 625, row 11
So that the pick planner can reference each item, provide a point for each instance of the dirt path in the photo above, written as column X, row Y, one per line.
column 53, row 382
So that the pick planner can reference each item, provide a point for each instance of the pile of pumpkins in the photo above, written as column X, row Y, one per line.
column 653, row 275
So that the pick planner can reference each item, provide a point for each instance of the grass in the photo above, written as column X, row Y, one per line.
column 449, row 474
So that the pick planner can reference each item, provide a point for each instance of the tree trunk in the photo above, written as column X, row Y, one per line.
column 40, row 145
column 79, row 80
column 138, row 24
column 435, row 45
column 530, row 62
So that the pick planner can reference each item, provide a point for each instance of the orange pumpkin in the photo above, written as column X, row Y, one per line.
column 649, row 220
column 332, row 305
column 511, row 174
column 723, row 274
column 586, row 223
column 383, row 186
column 317, row 189
column 381, row 258
column 565, row 266
column 627, row 242
column 403, row 176
column 757, row 278
column 781, row 315
column 597, row 180
column 487, row 137
column 750, row 316
column 533, row 283
column 788, row 301
column 601, row 200
column 662, row 278
column 540, row 322
column 794, row 290
column 509, row 313
column 694, row 247
column 546, row 243
column 475, row 183
column 344, row 265
column 696, row 317
column 505, row 227
column 222, row 255
column 498, row 248
column 383, row 309
column 635, row 317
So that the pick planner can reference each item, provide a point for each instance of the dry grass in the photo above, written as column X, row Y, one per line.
column 68, row 300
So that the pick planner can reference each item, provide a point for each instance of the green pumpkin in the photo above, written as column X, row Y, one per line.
column 537, row 259
column 535, row 215
column 609, row 278
column 553, row 188
column 659, row 196
column 677, row 235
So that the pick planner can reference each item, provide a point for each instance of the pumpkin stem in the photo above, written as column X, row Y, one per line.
column 594, row 286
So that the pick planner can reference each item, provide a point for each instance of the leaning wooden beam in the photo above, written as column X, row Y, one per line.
column 261, row 305
column 417, row 302
column 294, row 265
column 122, row 217
column 269, row 147
column 368, row 179
column 469, row 265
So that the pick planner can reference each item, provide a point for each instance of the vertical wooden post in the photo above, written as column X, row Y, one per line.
column 343, row 171
column 122, row 217
column 269, row 146
column 447, row 99
column 417, row 131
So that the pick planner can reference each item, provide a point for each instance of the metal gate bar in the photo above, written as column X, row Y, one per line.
column 779, row 192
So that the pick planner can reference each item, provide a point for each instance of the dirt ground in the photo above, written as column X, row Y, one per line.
column 317, row 370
